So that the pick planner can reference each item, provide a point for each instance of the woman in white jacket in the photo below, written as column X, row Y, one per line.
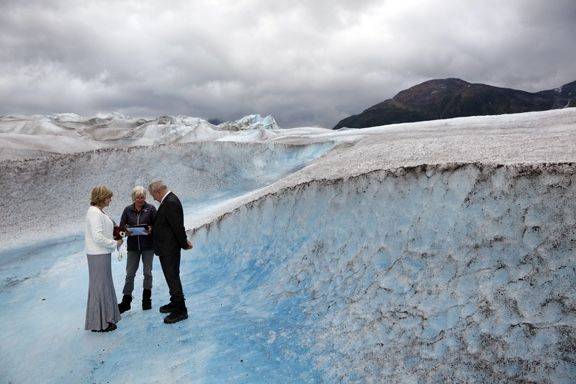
column 102, row 312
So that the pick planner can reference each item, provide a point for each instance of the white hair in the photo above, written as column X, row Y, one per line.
column 137, row 191
column 157, row 186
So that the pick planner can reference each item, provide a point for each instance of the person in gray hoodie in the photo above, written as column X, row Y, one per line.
column 141, row 215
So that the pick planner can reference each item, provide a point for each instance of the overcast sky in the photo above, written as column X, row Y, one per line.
column 304, row 62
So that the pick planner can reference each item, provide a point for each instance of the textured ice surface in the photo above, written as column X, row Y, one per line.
column 431, row 252
column 460, row 274
column 224, row 340
column 21, row 136
column 51, row 193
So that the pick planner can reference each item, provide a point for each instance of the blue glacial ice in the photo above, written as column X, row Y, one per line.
column 438, row 252
column 226, row 338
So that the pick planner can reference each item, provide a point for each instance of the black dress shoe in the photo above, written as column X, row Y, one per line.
column 176, row 316
column 168, row 308
column 111, row 327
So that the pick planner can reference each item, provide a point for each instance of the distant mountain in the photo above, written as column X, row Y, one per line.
column 215, row 121
column 447, row 98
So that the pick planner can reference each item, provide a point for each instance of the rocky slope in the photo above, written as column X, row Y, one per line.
column 448, row 98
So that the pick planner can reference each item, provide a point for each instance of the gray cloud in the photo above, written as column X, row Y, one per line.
column 306, row 63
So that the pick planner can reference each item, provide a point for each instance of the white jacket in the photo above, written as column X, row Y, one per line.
column 99, row 236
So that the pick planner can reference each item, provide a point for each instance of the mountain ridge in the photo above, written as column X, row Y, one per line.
column 447, row 98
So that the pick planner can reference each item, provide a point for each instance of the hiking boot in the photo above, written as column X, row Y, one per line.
column 146, row 299
column 125, row 304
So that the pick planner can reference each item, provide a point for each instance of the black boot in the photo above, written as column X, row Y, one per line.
column 180, row 313
column 168, row 308
column 111, row 327
column 125, row 304
column 146, row 299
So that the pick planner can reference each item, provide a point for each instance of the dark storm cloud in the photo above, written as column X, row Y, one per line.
column 305, row 62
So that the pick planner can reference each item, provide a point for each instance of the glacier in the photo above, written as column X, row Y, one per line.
column 429, row 252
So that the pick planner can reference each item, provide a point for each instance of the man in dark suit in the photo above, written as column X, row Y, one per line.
column 169, row 237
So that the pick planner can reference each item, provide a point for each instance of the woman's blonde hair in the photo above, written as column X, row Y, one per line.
column 99, row 195
column 138, row 190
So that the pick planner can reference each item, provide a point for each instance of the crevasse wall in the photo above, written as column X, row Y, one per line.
column 448, row 273
column 51, row 194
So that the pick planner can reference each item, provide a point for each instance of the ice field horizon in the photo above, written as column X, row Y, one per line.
column 431, row 252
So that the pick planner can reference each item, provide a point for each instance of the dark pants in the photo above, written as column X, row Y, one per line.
column 132, row 263
column 171, row 267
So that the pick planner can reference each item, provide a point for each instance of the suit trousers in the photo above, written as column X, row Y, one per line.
column 171, row 268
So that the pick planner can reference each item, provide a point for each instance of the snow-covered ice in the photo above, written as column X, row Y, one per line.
column 438, row 251
column 29, row 136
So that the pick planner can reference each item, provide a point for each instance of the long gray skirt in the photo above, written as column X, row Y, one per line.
column 102, row 307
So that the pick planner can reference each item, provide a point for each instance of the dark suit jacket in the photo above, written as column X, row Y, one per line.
column 168, row 233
